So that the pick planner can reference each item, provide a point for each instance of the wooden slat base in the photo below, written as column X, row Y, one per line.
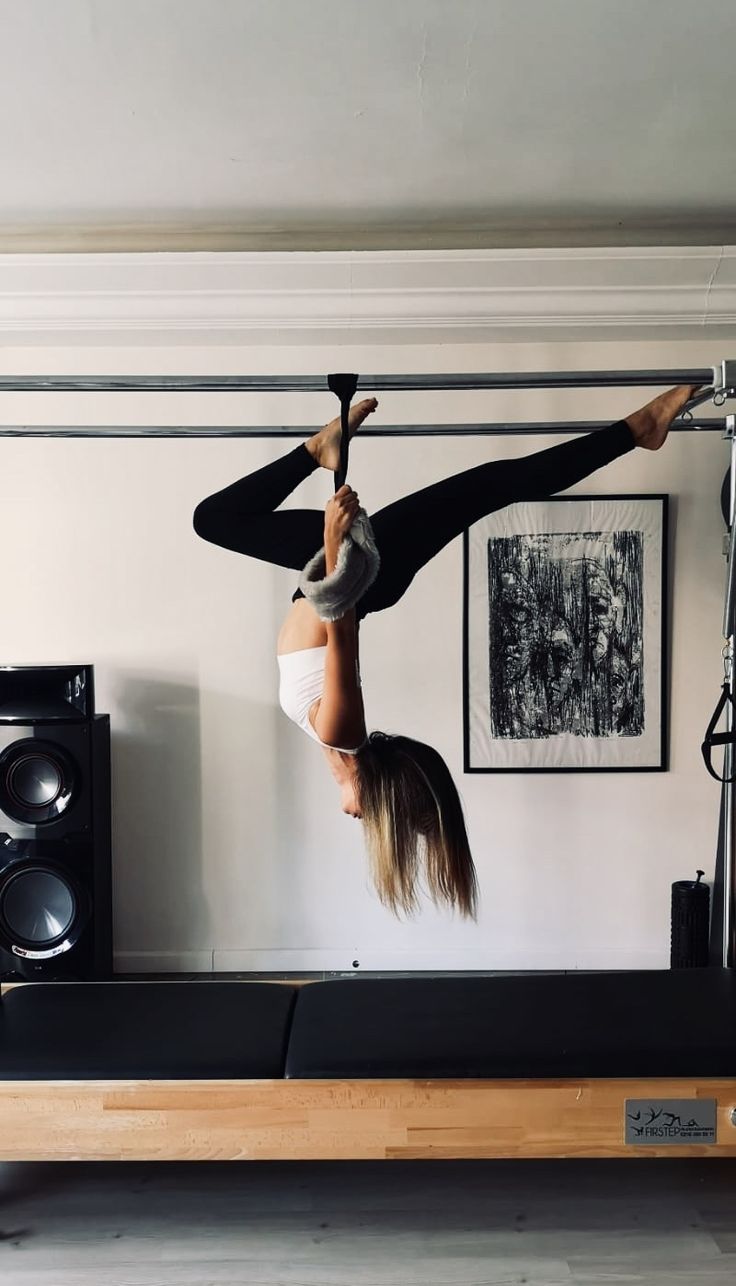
column 328, row 1120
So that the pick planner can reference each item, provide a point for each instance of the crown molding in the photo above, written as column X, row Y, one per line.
column 226, row 298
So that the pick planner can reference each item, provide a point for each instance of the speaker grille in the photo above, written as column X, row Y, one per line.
column 37, row 782
column 39, row 909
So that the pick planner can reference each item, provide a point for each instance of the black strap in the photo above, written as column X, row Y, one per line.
column 713, row 738
column 343, row 386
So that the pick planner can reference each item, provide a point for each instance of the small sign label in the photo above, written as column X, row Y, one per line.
column 40, row 955
column 669, row 1122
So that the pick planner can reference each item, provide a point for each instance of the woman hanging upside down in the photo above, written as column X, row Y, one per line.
column 401, row 789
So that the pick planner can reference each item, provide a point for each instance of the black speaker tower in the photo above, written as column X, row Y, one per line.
column 55, row 846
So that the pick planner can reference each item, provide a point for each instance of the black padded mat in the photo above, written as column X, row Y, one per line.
column 114, row 1030
column 643, row 1023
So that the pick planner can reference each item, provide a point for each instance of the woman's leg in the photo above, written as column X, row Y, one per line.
column 241, row 517
column 410, row 532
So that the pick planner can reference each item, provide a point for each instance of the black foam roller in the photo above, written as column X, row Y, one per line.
column 690, row 921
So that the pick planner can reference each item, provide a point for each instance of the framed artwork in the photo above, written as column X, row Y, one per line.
column 564, row 636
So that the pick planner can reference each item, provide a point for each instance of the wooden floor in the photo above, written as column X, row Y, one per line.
column 477, row 1223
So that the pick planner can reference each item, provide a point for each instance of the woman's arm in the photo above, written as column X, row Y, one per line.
column 338, row 717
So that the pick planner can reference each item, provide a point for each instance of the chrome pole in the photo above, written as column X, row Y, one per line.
column 369, row 383
column 728, row 951
column 713, row 425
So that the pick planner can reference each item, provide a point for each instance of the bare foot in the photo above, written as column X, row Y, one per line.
column 650, row 425
column 325, row 445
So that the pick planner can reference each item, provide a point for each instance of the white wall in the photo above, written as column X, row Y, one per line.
column 229, row 849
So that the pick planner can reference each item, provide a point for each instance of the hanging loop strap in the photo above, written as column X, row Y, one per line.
column 713, row 738
column 358, row 560
column 343, row 386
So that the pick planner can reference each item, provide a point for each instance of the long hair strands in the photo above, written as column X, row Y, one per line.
column 413, row 821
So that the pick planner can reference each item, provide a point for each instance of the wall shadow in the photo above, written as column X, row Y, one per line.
column 158, row 895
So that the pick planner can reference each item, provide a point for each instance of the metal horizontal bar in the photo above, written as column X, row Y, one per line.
column 370, row 383
column 711, row 425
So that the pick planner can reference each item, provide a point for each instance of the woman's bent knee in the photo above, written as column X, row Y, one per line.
column 203, row 520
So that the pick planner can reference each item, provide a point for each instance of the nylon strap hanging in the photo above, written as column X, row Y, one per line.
column 343, row 386
column 713, row 738
column 358, row 560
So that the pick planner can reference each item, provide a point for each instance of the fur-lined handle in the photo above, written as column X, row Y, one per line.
column 358, row 563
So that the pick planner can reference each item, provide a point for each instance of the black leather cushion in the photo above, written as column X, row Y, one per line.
column 114, row 1030
column 679, row 1023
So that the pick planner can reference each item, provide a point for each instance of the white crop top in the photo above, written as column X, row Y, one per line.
column 301, row 683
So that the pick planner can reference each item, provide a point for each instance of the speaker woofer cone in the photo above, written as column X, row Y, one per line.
column 42, row 910
column 37, row 781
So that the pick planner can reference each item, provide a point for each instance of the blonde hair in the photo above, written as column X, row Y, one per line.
column 413, row 817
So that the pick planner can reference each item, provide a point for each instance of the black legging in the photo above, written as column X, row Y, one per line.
column 410, row 531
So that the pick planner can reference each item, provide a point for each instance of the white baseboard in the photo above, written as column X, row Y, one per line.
column 376, row 960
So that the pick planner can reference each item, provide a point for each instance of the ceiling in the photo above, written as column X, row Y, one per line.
column 358, row 124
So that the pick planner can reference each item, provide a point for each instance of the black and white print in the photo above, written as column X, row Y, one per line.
column 563, row 636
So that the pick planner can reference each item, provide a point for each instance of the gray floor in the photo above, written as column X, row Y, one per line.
column 663, row 1223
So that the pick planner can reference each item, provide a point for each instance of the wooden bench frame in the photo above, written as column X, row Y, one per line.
column 244, row 1120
